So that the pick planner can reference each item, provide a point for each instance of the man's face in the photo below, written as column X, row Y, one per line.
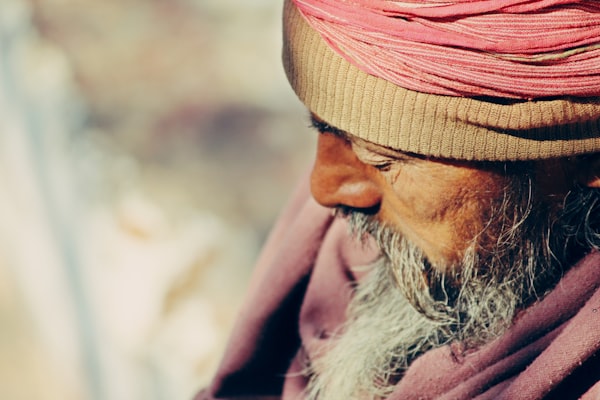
column 442, row 207
column 465, row 246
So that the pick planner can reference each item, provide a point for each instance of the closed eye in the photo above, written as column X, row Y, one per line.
column 381, row 158
column 383, row 167
column 378, row 161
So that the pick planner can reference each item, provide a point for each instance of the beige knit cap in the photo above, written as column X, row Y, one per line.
column 441, row 126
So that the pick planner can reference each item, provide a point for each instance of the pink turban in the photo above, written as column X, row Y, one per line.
column 503, row 48
column 471, row 80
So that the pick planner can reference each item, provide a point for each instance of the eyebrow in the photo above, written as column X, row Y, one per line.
column 324, row 127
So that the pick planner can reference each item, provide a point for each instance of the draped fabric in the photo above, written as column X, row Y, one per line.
column 504, row 48
column 298, row 297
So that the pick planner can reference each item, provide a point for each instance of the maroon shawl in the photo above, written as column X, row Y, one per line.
column 302, row 286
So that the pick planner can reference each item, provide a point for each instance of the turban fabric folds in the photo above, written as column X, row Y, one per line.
column 504, row 48
column 413, row 116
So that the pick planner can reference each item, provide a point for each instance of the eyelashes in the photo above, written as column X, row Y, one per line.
column 383, row 167
column 381, row 162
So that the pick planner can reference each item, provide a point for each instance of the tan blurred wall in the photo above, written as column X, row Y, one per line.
column 168, row 142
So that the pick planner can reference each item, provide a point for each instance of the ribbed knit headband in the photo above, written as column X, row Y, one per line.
column 395, row 74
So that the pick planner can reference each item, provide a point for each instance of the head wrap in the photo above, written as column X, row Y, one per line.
column 470, row 79
column 504, row 48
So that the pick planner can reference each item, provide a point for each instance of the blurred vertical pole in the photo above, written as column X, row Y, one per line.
column 38, row 206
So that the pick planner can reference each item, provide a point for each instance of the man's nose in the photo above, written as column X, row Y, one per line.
column 339, row 178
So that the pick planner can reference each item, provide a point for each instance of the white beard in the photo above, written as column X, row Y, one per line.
column 404, row 308
column 383, row 335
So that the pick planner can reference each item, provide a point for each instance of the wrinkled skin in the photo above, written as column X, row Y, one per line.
column 441, row 206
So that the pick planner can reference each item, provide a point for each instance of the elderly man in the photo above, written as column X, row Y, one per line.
column 459, row 150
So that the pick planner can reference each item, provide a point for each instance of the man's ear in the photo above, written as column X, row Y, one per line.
column 588, row 170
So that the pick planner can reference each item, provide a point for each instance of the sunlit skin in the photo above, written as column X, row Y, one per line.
column 440, row 205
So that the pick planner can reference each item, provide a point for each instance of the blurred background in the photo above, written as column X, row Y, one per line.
column 146, row 147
